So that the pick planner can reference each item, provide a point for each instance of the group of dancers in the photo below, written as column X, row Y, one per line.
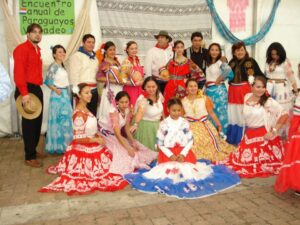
column 171, row 127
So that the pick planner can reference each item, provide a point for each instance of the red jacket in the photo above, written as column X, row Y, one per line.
column 28, row 66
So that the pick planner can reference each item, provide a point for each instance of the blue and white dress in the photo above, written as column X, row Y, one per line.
column 181, row 179
column 59, row 131
column 218, row 93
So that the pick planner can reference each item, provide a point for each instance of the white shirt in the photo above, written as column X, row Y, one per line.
column 83, row 69
column 172, row 132
column 155, row 59
column 151, row 112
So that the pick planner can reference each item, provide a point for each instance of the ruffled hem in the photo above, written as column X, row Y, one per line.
column 83, row 172
column 186, row 185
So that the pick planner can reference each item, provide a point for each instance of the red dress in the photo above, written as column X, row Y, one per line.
column 255, row 155
column 84, row 168
column 176, row 85
column 289, row 176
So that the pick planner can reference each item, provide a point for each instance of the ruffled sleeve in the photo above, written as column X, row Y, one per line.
column 160, row 139
column 289, row 72
column 273, row 111
column 226, row 71
column 53, row 68
column 104, row 66
column 142, row 102
column 114, row 119
column 79, row 124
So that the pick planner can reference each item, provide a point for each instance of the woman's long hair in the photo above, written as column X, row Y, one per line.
column 279, row 50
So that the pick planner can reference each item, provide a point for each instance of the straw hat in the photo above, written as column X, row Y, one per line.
column 163, row 33
column 30, row 110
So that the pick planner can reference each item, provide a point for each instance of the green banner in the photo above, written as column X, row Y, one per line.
column 55, row 16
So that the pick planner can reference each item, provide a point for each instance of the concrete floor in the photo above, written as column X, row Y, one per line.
column 252, row 202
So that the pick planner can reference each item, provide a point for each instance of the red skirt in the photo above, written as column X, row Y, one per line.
column 237, row 92
column 172, row 88
column 289, row 176
column 190, row 157
column 84, row 168
column 255, row 156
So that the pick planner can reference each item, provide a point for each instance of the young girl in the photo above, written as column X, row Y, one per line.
column 128, row 153
column 289, row 176
column 59, row 131
column 178, row 173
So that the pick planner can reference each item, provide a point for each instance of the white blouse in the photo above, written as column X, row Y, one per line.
column 257, row 115
column 213, row 71
column 196, row 108
column 282, row 71
column 152, row 112
column 172, row 132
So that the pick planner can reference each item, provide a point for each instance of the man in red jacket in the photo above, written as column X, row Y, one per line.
column 28, row 78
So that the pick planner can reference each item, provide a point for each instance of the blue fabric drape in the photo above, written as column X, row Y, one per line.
column 226, row 33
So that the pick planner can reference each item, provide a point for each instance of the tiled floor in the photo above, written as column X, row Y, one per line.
column 252, row 202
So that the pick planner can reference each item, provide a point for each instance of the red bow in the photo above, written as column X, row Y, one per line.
column 145, row 94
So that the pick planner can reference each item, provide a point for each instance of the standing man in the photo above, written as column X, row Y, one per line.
column 158, row 57
column 83, row 69
column 28, row 77
column 198, row 55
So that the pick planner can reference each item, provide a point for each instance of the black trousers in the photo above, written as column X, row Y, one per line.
column 93, row 105
column 161, row 85
column 31, row 129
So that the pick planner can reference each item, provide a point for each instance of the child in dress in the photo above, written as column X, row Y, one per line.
column 178, row 173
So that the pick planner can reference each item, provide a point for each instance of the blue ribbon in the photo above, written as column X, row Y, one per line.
column 226, row 33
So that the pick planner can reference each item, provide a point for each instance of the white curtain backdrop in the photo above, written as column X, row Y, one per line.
column 125, row 20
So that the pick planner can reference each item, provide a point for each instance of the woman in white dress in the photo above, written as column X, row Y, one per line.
column 109, row 73
column 281, row 80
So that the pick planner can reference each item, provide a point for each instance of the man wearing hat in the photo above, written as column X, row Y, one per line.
column 157, row 57
column 29, row 96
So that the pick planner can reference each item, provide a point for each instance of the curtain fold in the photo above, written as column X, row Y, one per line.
column 229, row 36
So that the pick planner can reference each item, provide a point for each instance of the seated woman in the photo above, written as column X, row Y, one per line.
column 85, row 165
column 148, row 113
column 207, row 141
column 128, row 154
column 178, row 173
column 260, row 152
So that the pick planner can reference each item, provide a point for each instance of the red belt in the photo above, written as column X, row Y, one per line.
column 92, row 85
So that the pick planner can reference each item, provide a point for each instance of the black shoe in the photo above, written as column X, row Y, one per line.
column 297, row 193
